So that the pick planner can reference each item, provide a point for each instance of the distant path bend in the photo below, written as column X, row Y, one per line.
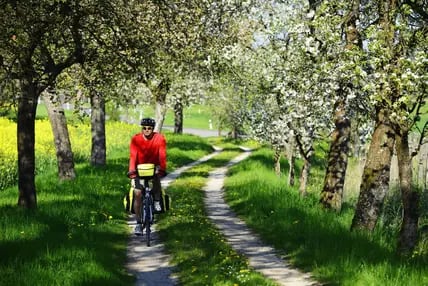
column 261, row 257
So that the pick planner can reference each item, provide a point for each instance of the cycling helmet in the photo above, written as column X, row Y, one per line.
column 148, row 122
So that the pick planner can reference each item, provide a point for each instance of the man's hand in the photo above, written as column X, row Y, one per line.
column 135, row 183
column 132, row 174
column 161, row 173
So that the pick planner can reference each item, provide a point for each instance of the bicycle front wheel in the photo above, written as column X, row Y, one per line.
column 148, row 219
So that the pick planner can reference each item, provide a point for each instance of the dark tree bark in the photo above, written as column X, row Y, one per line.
column 27, row 105
column 332, row 193
column 375, row 180
column 410, row 197
column 277, row 160
column 291, row 158
column 64, row 153
column 304, row 176
column 291, row 171
column 178, row 117
column 98, row 130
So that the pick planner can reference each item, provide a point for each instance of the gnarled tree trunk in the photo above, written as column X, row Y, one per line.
column 291, row 158
column 410, row 197
column 277, row 160
column 98, row 129
column 375, row 180
column 160, row 93
column 64, row 153
column 332, row 193
column 178, row 117
column 27, row 105
column 304, row 176
column 306, row 151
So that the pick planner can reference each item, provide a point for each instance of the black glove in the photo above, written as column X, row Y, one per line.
column 132, row 174
column 135, row 183
column 161, row 173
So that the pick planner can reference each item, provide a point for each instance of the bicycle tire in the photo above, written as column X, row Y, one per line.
column 148, row 219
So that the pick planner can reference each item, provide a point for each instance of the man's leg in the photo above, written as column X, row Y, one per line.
column 156, row 189
column 137, row 210
column 157, row 193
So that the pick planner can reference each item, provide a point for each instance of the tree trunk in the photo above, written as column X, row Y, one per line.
column 304, row 176
column 291, row 158
column 305, row 151
column 375, row 180
column 27, row 105
column 160, row 93
column 332, row 193
column 277, row 161
column 178, row 117
column 64, row 154
column 410, row 197
column 160, row 115
column 422, row 166
column 98, row 129
column 291, row 172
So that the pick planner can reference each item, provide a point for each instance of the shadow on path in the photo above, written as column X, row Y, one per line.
column 261, row 257
column 151, row 267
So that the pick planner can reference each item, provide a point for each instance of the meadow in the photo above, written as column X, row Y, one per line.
column 78, row 234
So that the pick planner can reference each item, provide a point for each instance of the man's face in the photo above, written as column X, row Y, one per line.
column 147, row 130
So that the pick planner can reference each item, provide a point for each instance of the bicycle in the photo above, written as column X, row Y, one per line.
column 146, row 173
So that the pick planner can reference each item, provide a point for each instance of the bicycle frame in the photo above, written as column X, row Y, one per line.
column 147, row 214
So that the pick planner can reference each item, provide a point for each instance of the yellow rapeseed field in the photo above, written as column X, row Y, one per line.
column 117, row 136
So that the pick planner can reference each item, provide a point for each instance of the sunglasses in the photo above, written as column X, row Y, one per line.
column 147, row 128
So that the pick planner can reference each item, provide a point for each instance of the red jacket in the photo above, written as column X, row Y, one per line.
column 144, row 150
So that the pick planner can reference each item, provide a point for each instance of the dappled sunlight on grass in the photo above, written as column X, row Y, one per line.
column 310, row 237
column 198, row 249
column 79, row 233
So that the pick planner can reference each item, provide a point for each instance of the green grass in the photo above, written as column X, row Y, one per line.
column 313, row 239
column 199, row 251
column 195, row 116
column 78, row 235
column 73, row 237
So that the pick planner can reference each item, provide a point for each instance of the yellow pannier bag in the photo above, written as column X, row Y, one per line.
column 146, row 170
column 128, row 201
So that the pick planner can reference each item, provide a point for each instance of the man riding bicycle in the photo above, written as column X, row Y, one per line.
column 146, row 147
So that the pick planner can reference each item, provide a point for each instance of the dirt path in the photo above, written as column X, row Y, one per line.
column 151, row 266
column 261, row 257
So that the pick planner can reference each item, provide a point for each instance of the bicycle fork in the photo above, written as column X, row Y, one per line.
column 147, row 215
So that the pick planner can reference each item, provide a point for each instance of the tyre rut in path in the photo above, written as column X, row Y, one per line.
column 151, row 267
column 261, row 257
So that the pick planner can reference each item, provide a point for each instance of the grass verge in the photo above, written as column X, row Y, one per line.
column 78, row 234
column 313, row 239
column 199, row 252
